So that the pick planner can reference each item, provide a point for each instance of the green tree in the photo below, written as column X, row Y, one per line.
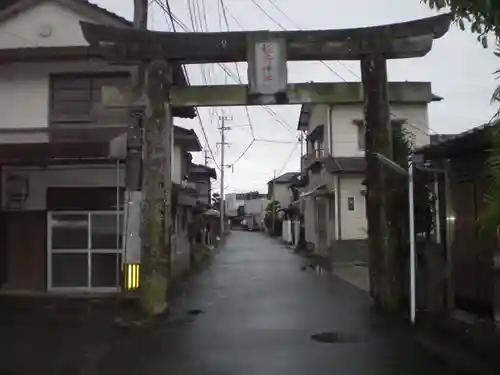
column 240, row 212
column 480, row 16
column 216, row 201
column 490, row 219
column 268, row 218
column 394, row 261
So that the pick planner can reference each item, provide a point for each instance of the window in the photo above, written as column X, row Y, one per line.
column 350, row 204
column 70, row 231
column 361, row 129
column 85, row 249
column 94, row 231
column 73, row 95
column 361, row 133
column 105, row 231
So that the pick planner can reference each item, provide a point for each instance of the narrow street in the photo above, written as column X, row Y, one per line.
column 254, row 310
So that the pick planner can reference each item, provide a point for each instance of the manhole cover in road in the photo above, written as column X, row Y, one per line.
column 333, row 337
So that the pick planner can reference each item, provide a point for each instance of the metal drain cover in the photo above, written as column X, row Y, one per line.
column 334, row 337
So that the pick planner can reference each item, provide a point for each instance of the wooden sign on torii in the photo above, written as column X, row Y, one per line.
column 267, row 54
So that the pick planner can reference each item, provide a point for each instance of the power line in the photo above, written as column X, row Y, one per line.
column 174, row 20
column 273, row 3
column 273, row 141
column 224, row 9
column 243, row 153
column 288, row 158
column 267, row 14
column 183, row 26
column 224, row 15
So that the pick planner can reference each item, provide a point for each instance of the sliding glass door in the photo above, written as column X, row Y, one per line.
column 85, row 250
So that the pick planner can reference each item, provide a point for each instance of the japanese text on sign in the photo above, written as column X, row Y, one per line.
column 268, row 58
column 269, row 68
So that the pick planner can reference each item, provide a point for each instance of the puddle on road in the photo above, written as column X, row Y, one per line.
column 334, row 337
column 194, row 312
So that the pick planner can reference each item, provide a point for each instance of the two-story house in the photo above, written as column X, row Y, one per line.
column 333, row 166
column 202, row 175
column 63, row 210
column 279, row 188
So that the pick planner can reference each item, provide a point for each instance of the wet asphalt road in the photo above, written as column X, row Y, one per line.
column 258, row 312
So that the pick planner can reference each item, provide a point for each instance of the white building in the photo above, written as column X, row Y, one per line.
column 62, row 201
column 334, row 166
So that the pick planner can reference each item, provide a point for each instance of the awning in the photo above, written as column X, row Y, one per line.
column 317, row 190
column 212, row 212
column 55, row 152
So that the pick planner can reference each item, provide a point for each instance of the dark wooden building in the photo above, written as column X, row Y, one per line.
column 472, row 279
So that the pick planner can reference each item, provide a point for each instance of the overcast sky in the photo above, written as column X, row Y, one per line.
column 458, row 67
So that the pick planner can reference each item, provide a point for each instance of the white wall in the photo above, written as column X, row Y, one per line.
column 24, row 90
column 25, row 29
column 354, row 224
column 118, row 150
column 344, row 133
column 24, row 87
column 176, row 164
column 256, row 206
column 42, row 178
column 230, row 204
column 319, row 116
column 282, row 194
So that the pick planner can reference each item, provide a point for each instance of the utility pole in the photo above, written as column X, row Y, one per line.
column 301, row 140
column 207, row 158
column 273, row 202
column 223, row 144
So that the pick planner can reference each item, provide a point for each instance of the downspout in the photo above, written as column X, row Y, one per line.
column 337, row 202
column 119, row 230
column 338, row 214
column 329, row 130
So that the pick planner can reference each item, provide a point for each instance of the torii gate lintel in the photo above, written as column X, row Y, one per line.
column 266, row 52
column 399, row 40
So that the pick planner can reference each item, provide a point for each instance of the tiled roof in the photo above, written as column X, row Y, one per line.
column 438, row 138
column 285, row 178
column 107, row 12
column 204, row 169
column 10, row 7
column 467, row 141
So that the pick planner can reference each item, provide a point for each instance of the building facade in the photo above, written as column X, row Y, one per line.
column 65, row 225
column 332, row 188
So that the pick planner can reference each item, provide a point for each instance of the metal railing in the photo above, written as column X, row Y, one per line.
column 311, row 157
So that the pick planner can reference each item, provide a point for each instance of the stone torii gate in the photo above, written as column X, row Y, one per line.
column 266, row 53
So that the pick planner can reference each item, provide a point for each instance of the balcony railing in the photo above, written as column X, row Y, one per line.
column 311, row 158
